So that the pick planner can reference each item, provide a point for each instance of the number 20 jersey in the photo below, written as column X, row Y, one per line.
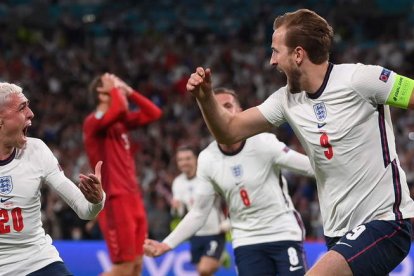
column 346, row 130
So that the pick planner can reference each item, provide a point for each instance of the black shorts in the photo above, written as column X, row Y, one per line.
column 55, row 269
column 271, row 258
column 211, row 246
column 374, row 248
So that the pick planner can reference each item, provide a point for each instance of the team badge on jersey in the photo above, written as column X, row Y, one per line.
column 320, row 111
column 237, row 171
column 6, row 185
column 385, row 74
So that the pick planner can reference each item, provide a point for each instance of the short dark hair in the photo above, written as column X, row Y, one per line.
column 309, row 30
column 93, row 85
column 225, row 90
column 187, row 148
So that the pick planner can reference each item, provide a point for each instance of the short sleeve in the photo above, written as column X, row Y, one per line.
column 177, row 192
column 272, row 108
column 374, row 83
column 204, row 184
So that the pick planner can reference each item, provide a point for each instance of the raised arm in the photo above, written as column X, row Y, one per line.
column 190, row 224
column 225, row 127
column 147, row 113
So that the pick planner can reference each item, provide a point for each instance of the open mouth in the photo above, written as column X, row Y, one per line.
column 25, row 129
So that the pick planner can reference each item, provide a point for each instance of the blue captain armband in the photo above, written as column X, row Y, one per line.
column 401, row 92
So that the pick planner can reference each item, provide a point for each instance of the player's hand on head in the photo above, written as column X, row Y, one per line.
column 154, row 248
column 199, row 83
column 109, row 82
column 91, row 186
column 125, row 88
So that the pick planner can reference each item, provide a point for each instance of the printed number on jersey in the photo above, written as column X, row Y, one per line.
column 245, row 197
column 324, row 140
column 11, row 219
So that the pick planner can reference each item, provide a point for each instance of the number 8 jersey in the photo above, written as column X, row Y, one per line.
column 346, row 130
column 250, row 180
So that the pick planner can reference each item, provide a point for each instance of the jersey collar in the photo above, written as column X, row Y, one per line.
column 232, row 153
column 8, row 159
column 324, row 83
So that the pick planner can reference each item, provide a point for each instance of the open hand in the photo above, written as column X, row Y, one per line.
column 91, row 186
column 154, row 248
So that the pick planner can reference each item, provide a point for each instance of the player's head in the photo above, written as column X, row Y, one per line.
column 299, row 37
column 187, row 160
column 95, row 96
column 15, row 116
column 228, row 99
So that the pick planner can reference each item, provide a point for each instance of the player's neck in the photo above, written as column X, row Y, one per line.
column 231, row 148
column 190, row 175
column 314, row 76
column 102, row 107
column 5, row 152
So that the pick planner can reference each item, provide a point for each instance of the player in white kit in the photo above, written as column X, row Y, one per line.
column 267, row 231
column 340, row 115
column 208, row 243
column 25, row 164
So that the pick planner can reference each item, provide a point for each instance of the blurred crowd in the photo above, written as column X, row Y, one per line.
column 53, row 49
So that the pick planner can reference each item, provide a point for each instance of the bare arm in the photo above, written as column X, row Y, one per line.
column 225, row 127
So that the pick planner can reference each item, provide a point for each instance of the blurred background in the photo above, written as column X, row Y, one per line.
column 53, row 49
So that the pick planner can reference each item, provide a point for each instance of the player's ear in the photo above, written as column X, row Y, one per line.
column 299, row 54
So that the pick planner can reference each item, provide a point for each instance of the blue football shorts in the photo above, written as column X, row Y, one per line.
column 374, row 248
column 271, row 258
column 210, row 246
column 55, row 269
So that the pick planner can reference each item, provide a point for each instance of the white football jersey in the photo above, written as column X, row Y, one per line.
column 24, row 246
column 347, row 133
column 250, row 180
column 183, row 191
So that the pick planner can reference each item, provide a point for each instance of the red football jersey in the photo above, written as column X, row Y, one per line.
column 106, row 138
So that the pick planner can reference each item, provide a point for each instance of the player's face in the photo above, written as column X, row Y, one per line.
column 16, row 117
column 187, row 162
column 228, row 102
column 283, row 60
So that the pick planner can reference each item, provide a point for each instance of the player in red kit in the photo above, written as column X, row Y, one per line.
column 123, row 219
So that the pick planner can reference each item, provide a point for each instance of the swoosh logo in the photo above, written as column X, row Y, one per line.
column 294, row 268
column 321, row 125
column 344, row 243
column 2, row 200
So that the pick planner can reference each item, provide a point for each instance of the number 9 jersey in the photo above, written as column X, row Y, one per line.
column 346, row 130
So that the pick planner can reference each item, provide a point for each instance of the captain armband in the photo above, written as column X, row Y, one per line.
column 401, row 92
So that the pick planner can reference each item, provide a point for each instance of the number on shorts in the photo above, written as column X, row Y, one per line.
column 324, row 140
column 355, row 232
column 293, row 256
column 17, row 220
column 245, row 197
column 213, row 247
